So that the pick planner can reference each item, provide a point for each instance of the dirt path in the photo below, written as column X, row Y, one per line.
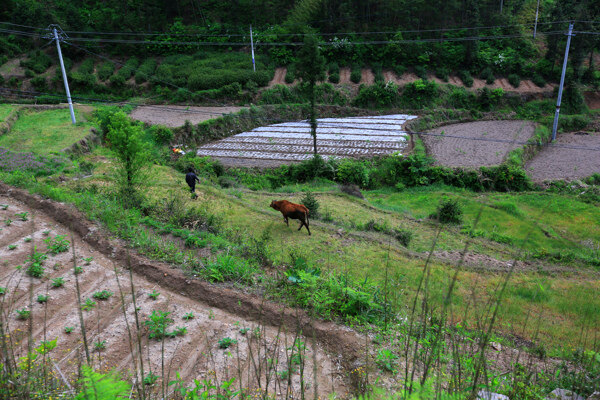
column 575, row 156
column 174, row 116
column 475, row 144
column 278, row 77
column 219, row 312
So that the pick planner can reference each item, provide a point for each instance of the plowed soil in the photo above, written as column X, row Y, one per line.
column 572, row 156
column 174, row 116
column 475, row 144
column 219, row 312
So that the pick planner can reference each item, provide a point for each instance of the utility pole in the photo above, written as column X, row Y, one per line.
column 64, row 74
column 537, row 10
column 562, row 82
column 501, row 1
column 252, row 46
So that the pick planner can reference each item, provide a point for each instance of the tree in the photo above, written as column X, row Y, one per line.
column 125, row 140
column 310, row 69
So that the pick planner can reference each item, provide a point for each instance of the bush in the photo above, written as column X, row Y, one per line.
column 39, row 62
column 421, row 71
column 356, row 74
column 538, row 80
column 420, row 93
column 334, row 77
column 47, row 99
column 442, row 73
column 466, row 78
column 378, row 95
column 39, row 83
column 86, row 67
column 128, row 69
column 334, row 68
column 200, row 80
column 145, row 70
column 404, row 236
column 514, row 80
column 290, row 75
column 462, row 98
column 488, row 75
column 353, row 171
column 106, row 70
column 573, row 101
column 399, row 70
column 161, row 134
column 448, row 211
column 310, row 202
column 117, row 81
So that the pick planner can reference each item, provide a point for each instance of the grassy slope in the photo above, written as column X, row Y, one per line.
column 45, row 132
column 5, row 110
column 557, row 305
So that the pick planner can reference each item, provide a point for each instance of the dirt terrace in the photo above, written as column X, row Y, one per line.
column 291, row 142
column 218, row 312
column 475, row 144
column 174, row 116
column 573, row 156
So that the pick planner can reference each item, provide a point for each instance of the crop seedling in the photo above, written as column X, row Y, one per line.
column 154, row 295
column 4, row 206
column 27, row 239
column 2, row 291
column 42, row 298
column 188, row 316
column 35, row 267
column 23, row 313
column 88, row 260
column 77, row 270
column 12, row 246
column 386, row 360
column 150, row 379
column 157, row 324
column 103, row 295
column 24, row 216
column 8, row 221
column 58, row 244
column 179, row 331
column 88, row 305
column 100, row 345
column 243, row 331
column 226, row 342
column 68, row 329
column 58, row 282
column 46, row 233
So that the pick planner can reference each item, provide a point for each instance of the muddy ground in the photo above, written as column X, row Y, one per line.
column 174, row 116
column 475, row 144
column 195, row 355
column 573, row 156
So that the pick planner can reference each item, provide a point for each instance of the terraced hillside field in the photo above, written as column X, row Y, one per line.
column 258, row 358
column 292, row 141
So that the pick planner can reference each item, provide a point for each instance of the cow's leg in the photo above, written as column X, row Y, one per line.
column 285, row 219
column 301, row 224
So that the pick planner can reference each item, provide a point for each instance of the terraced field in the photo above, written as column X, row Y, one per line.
column 290, row 142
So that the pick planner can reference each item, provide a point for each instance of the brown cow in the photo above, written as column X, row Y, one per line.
column 293, row 211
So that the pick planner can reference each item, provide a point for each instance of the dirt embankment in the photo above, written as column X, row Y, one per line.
column 175, row 116
column 219, row 312
column 476, row 144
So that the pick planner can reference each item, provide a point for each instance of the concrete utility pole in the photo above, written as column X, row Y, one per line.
column 562, row 82
column 252, row 46
column 537, row 11
column 501, row 2
column 64, row 74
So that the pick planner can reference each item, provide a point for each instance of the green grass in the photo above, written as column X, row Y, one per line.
column 5, row 110
column 45, row 132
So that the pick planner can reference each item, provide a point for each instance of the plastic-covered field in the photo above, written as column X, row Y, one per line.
column 289, row 142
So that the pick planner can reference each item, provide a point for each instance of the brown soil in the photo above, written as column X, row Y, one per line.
column 592, row 99
column 367, row 76
column 220, row 312
column 475, row 144
column 175, row 116
column 278, row 77
column 579, row 158
column 345, row 73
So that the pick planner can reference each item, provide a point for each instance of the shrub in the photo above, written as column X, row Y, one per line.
column 442, row 73
column 488, row 75
column 448, row 211
column 117, row 81
column 538, row 80
column 421, row 71
column 128, row 69
column 461, row 98
column 573, row 101
column 420, row 93
column 334, row 77
column 290, row 75
column 334, row 68
column 40, row 83
column 145, row 70
column 39, row 62
column 356, row 74
column 310, row 202
column 466, row 78
column 161, row 134
column 404, row 236
column 378, row 95
column 353, row 171
column 106, row 70
column 514, row 80
column 399, row 70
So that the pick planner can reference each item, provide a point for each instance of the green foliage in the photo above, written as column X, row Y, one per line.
column 188, row 316
column 39, row 62
column 442, row 73
column 379, row 95
column 42, row 298
column 310, row 202
column 146, row 70
column 226, row 342
column 310, row 67
column 3, row 291
column 404, row 236
column 356, row 73
column 157, row 324
column 154, row 295
column 35, row 264
column 449, row 211
column 161, row 134
column 538, row 80
column 420, row 93
column 290, row 74
column 421, row 72
column 466, row 78
column 387, row 360
column 58, row 244
column 353, row 171
column 102, row 295
column 106, row 70
column 58, row 282
column 39, row 83
column 573, row 101
column 514, row 80
column 88, row 304
column 150, row 379
column 97, row 386
column 125, row 72
column 488, row 75
column 100, row 345
column 23, row 314
column 69, row 329
column 12, row 246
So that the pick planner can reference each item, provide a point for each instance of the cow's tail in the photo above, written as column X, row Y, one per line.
column 306, row 214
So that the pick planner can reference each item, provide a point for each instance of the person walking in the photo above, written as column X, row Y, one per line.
column 191, row 179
